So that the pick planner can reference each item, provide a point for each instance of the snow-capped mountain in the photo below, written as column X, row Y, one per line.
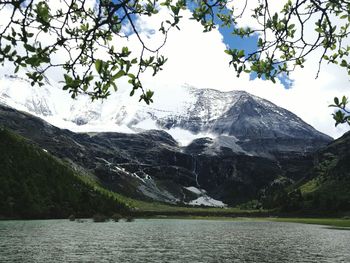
column 236, row 119
column 232, row 144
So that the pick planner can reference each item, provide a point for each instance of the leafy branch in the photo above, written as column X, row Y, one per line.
column 88, row 39
column 342, row 115
column 35, row 34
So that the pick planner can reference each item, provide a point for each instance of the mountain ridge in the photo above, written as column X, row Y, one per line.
column 244, row 120
column 238, row 145
column 148, row 165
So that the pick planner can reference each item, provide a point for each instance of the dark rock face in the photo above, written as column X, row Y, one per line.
column 235, row 178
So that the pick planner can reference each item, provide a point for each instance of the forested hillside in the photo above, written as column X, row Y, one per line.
column 328, row 189
column 34, row 184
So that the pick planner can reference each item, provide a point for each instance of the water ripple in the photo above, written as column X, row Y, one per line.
column 171, row 241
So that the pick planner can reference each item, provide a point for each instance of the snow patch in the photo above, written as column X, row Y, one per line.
column 185, row 137
column 146, row 124
column 203, row 198
column 207, row 201
column 195, row 190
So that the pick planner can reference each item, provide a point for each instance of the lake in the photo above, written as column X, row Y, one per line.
column 171, row 240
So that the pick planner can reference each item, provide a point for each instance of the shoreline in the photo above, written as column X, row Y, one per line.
column 332, row 222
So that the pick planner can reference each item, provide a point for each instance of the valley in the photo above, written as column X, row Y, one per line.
column 256, row 158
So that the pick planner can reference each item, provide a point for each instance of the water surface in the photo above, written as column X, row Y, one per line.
column 166, row 240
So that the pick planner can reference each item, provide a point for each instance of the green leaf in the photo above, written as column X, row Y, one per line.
column 114, row 86
column 132, row 76
column 344, row 101
column 33, row 61
column 336, row 101
column 68, row 79
column 29, row 48
column 7, row 49
column 319, row 30
column 99, row 65
column 125, row 50
column 118, row 75
column 344, row 63
column 339, row 117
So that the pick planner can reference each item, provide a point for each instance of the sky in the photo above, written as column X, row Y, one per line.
column 198, row 59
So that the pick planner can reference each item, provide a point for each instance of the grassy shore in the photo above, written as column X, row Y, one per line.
column 334, row 222
column 337, row 223
column 148, row 209
column 164, row 211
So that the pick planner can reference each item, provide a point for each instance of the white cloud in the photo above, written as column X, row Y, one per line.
column 198, row 59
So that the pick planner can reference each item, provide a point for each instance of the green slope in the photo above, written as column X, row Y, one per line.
column 324, row 189
column 35, row 184
column 329, row 189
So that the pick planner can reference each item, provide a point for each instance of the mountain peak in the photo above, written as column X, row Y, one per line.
column 189, row 112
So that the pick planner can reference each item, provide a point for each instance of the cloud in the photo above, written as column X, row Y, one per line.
column 198, row 59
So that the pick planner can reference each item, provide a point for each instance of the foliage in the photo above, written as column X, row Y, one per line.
column 80, row 32
column 328, row 188
column 342, row 115
column 83, row 32
column 331, row 186
column 283, row 36
column 34, row 184
column 275, row 195
column 324, row 189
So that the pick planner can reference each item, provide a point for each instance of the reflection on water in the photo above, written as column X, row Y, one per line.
column 171, row 241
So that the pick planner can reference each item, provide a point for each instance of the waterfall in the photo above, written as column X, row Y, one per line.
column 194, row 170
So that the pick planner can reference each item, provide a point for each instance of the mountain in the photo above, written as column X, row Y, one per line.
column 35, row 184
column 151, row 165
column 235, row 119
column 237, row 144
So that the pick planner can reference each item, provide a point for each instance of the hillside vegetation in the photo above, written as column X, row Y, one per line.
column 35, row 184
column 324, row 187
column 328, row 189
